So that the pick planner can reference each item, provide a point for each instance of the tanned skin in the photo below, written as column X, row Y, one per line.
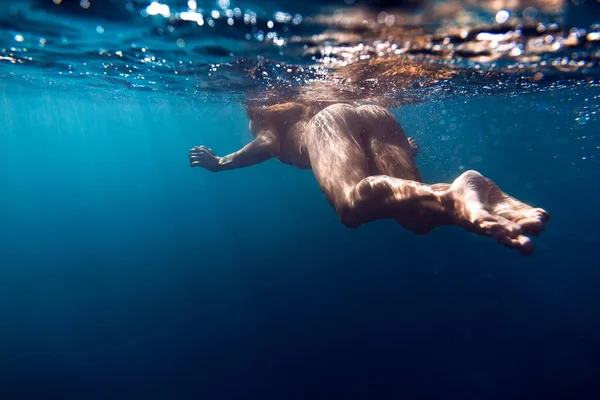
column 364, row 165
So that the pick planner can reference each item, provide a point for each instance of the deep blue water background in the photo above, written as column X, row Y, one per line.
column 126, row 274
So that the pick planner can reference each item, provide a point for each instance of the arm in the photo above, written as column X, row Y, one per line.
column 264, row 147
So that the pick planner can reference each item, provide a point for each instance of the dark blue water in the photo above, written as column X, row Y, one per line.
column 125, row 274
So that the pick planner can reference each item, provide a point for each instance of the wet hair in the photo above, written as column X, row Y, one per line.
column 277, row 115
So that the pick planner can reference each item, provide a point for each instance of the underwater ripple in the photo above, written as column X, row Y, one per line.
column 231, row 50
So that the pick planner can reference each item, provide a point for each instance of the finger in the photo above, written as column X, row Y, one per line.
column 206, row 150
column 197, row 155
column 199, row 158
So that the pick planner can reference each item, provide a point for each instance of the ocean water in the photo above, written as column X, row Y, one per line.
column 126, row 274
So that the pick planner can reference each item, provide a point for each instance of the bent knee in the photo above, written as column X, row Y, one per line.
column 364, row 201
column 349, row 215
column 347, row 211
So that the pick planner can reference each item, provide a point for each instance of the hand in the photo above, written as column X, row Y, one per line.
column 204, row 157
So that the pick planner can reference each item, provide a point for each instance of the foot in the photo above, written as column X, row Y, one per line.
column 481, row 207
column 414, row 147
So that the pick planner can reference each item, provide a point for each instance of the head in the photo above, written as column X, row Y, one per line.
column 276, row 118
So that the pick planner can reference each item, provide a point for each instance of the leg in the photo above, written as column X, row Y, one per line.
column 339, row 161
column 336, row 153
column 389, row 151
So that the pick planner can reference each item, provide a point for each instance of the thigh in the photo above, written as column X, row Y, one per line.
column 386, row 145
column 336, row 153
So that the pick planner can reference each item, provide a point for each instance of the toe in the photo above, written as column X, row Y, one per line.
column 505, row 232
column 532, row 226
column 497, row 226
column 542, row 214
column 534, row 221
column 525, row 245
column 520, row 242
